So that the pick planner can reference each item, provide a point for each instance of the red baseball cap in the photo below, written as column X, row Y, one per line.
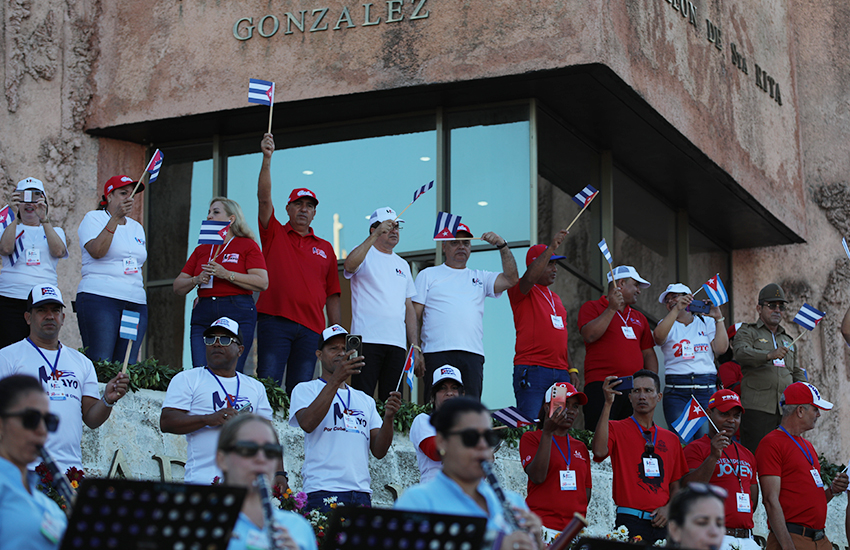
column 117, row 182
column 463, row 227
column 302, row 192
column 724, row 400
column 803, row 393
column 571, row 391
column 535, row 251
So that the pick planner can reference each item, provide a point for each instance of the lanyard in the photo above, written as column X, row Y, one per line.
column 230, row 400
column 567, row 460
column 626, row 320
column 341, row 402
column 220, row 252
column 549, row 299
column 53, row 372
column 654, row 437
column 805, row 452
column 737, row 469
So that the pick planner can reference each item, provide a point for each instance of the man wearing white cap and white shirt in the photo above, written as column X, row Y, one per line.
column 447, row 383
column 67, row 376
column 618, row 342
column 795, row 496
column 39, row 247
column 381, row 309
column 689, row 343
column 341, row 427
column 200, row 400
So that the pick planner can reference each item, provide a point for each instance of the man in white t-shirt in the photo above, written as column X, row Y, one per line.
column 381, row 308
column 67, row 375
column 449, row 304
column 341, row 426
column 448, row 383
column 199, row 401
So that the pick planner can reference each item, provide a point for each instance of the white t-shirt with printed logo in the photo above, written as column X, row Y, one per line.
column 687, row 349
column 16, row 281
column 76, row 378
column 118, row 274
column 379, row 289
column 198, row 392
column 454, row 307
column 420, row 430
column 335, row 459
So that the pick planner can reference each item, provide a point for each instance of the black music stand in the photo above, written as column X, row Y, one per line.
column 145, row 515
column 381, row 529
column 586, row 543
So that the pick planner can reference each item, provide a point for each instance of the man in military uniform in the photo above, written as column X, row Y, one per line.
column 768, row 365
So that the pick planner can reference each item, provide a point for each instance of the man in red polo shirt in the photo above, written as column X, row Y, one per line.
column 618, row 341
column 718, row 459
column 795, row 496
column 303, row 280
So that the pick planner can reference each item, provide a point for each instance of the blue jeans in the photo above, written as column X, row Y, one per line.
column 676, row 399
column 285, row 345
column 530, row 385
column 99, row 318
column 240, row 308
column 316, row 499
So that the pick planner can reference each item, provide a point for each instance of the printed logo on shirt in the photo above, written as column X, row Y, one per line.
column 241, row 404
column 400, row 273
column 677, row 347
column 636, row 322
column 67, row 378
column 320, row 252
column 140, row 241
column 701, row 348
column 578, row 455
column 230, row 258
column 526, row 461
column 728, row 467
column 477, row 282
column 359, row 418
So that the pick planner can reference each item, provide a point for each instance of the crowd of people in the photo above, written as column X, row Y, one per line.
column 699, row 494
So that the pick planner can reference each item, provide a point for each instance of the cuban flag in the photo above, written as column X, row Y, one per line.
column 511, row 417
column 692, row 419
column 421, row 191
column 446, row 227
column 260, row 91
column 213, row 232
column 586, row 195
column 6, row 216
column 603, row 246
column 716, row 291
column 129, row 324
column 808, row 317
column 154, row 165
column 19, row 248
column 408, row 366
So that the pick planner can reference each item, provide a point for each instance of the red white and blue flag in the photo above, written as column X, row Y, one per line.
column 408, row 366
column 586, row 195
column 260, row 91
column 421, row 191
column 692, row 419
column 716, row 291
column 808, row 317
column 510, row 416
column 7, row 216
column 446, row 227
column 19, row 248
column 129, row 328
column 603, row 247
column 213, row 232
column 154, row 165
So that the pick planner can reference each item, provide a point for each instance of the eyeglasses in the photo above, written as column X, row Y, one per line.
column 470, row 437
column 222, row 340
column 705, row 488
column 248, row 449
column 31, row 418
column 774, row 305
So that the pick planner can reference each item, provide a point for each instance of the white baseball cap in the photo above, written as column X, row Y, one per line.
column 330, row 332
column 447, row 372
column 383, row 214
column 30, row 183
column 228, row 325
column 626, row 271
column 44, row 294
column 677, row 288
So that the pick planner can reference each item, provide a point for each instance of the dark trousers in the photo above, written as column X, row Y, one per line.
column 383, row 368
column 621, row 408
column 15, row 327
column 755, row 425
column 316, row 500
column 99, row 318
column 471, row 366
column 240, row 308
column 285, row 345
column 642, row 527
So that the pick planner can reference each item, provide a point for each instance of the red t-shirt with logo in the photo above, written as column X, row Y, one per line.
column 302, row 274
column 802, row 501
column 538, row 341
column 735, row 470
column 239, row 255
column 614, row 354
column 631, row 488
column 554, row 506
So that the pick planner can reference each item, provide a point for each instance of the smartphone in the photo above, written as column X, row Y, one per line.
column 626, row 383
column 699, row 306
column 354, row 342
column 28, row 196
column 559, row 399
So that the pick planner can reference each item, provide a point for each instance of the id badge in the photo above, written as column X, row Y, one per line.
column 650, row 467
column 779, row 362
column 55, row 391
column 207, row 284
column 33, row 256
column 743, row 502
column 131, row 267
column 257, row 540
column 558, row 322
column 688, row 350
column 568, row 480
column 629, row 333
column 51, row 528
column 816, row 477
column 350, row 423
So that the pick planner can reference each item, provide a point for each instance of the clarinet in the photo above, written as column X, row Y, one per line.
column 60, row 480
column 510, row 515
column 265, row 490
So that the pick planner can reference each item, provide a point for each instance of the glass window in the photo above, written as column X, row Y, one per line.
column 705, row 259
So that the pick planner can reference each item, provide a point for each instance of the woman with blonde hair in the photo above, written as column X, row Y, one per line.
column 226, row 276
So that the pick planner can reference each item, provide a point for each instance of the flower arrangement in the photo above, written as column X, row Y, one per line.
column 297, row 503
column 47, row 485
column 620, row 534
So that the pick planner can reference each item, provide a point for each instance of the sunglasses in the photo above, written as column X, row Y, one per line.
column 249, row 449
column 470, row 437
column 774, row 305
column 222, row 340
column 705, row 488
column 31, row 418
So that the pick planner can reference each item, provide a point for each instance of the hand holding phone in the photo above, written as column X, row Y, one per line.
column 559, row 399
column 626, row 383
column 699, row 306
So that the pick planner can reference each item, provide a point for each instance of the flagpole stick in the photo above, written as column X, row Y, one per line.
column 698, row 291
column 138, row 183
column 465, row 239
column 127, row 356
column 797, row 338
column 271, row 110
column 580, row 213
column 611, row 267
column 403, row 211
column 397, row 386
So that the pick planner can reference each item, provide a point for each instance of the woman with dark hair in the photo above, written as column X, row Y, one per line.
column 697, row 518
column 247, row 446
column 226, row 276
column 28, row 519
column 464, row 440
column 113, row 248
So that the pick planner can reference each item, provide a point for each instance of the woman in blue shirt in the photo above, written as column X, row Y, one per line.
column 29, row 520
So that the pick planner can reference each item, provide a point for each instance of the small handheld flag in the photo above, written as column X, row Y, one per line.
column 213, row 232
column 260, row 91
column 154, row 165
column 129, row 324
column 692, row 419
column 584, row 196
column 446, row 227
column 7, row 216
column 408, row 369
column 421, row 191
column 19, row 248
column 716, row 291
column 511, row 417
column 808, row 317
column 603, row 246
